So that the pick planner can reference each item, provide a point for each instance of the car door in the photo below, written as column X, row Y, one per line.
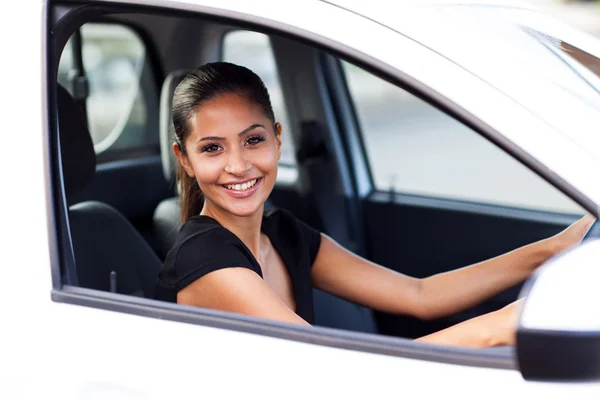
column 81, row 343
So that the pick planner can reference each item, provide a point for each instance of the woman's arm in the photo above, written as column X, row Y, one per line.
column 338, row 271
column 493, row 329
column 237, row 290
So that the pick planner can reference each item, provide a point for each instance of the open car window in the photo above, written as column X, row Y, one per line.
column 414, row 148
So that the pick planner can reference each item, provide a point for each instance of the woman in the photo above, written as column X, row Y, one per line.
column 231, row 256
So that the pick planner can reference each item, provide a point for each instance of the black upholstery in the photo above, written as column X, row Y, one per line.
column 104, row 242
column 166, row 224
column 333, row 312
column 77, row 149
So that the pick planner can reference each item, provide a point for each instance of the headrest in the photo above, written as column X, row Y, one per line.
column 77, row 149
column 167, row 131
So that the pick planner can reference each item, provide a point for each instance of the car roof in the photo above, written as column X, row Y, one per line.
column 407, row 4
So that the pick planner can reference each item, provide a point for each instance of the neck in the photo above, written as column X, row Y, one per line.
column 247, row 228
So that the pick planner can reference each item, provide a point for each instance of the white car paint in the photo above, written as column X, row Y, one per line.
column 544, row 310
column 57, row 350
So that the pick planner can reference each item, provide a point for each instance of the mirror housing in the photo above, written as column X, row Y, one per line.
column 558, row 333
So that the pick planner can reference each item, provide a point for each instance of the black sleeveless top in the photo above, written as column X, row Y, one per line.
column 203, row 246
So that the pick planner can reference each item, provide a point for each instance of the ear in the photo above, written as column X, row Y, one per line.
column 183, row 160
column 278, row 132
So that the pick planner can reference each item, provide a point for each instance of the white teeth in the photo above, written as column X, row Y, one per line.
column 242, row 186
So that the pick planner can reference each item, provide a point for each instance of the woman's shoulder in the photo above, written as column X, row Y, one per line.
column 199, row 224
column 202, row 246
column 202, row 241
column 201, row 230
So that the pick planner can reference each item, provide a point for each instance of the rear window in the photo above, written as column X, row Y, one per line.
column 121, row 98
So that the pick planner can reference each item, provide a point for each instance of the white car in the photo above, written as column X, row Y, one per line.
column 424, row 136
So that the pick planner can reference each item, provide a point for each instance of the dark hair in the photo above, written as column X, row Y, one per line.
column 202, row 84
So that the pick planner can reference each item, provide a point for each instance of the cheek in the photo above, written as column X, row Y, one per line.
column 266, row 158
column 207, row 169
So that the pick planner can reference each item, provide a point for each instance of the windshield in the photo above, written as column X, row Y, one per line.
column 531, row 42
column 547, row 67
column 537, row 61
column 583, row 69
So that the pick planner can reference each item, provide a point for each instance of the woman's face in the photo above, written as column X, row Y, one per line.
column 232, row 151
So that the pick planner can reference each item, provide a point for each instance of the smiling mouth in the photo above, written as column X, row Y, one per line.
column 240, row 187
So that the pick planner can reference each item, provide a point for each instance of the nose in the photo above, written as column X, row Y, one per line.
column 237, row 164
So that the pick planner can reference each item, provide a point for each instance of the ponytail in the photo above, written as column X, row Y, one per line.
column 190, row 194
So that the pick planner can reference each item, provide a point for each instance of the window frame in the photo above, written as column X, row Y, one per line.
column 59, row 240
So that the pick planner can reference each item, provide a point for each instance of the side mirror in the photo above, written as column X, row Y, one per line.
column 558, row 334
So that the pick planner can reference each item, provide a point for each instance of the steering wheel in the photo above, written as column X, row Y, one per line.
column 593, row 232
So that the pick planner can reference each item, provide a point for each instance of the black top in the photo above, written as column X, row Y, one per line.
column 203, row 245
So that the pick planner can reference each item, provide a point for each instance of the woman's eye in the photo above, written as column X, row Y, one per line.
column 254, row 140
column 211, row 148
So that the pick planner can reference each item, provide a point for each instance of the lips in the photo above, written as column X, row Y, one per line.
column 244, row 189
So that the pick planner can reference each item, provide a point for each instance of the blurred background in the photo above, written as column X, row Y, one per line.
column 583, row 14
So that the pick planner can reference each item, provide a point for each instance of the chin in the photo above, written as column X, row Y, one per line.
column 243, row 210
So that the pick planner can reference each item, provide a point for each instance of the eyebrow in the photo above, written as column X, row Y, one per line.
column 217, row 138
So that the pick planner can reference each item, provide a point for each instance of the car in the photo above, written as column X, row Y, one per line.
column 424, row 136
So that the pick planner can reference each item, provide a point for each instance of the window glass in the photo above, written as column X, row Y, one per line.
column 114, row 61
column 253, row 50
column 412, row 147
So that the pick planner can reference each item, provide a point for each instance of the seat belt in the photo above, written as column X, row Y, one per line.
column 316, row 160
column 77, row 78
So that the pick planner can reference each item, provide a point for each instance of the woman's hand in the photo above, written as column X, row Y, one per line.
column 503, row 325
column 503, row 322
column 497, row 328
column 571, row 236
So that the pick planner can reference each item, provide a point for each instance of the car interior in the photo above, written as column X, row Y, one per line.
column 370, row 164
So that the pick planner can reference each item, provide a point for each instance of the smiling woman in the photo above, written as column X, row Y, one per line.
column 230, row 255
column 211, row 160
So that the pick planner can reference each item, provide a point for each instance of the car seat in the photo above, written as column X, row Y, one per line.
column 110, row 254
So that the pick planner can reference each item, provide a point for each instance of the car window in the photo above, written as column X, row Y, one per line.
column 414, row 148
column 253, row 50
column 121, row 98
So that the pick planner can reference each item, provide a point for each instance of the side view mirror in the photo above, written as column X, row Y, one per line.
column 558, row 334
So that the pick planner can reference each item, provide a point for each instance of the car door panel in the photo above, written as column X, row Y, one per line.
column 421, row 237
